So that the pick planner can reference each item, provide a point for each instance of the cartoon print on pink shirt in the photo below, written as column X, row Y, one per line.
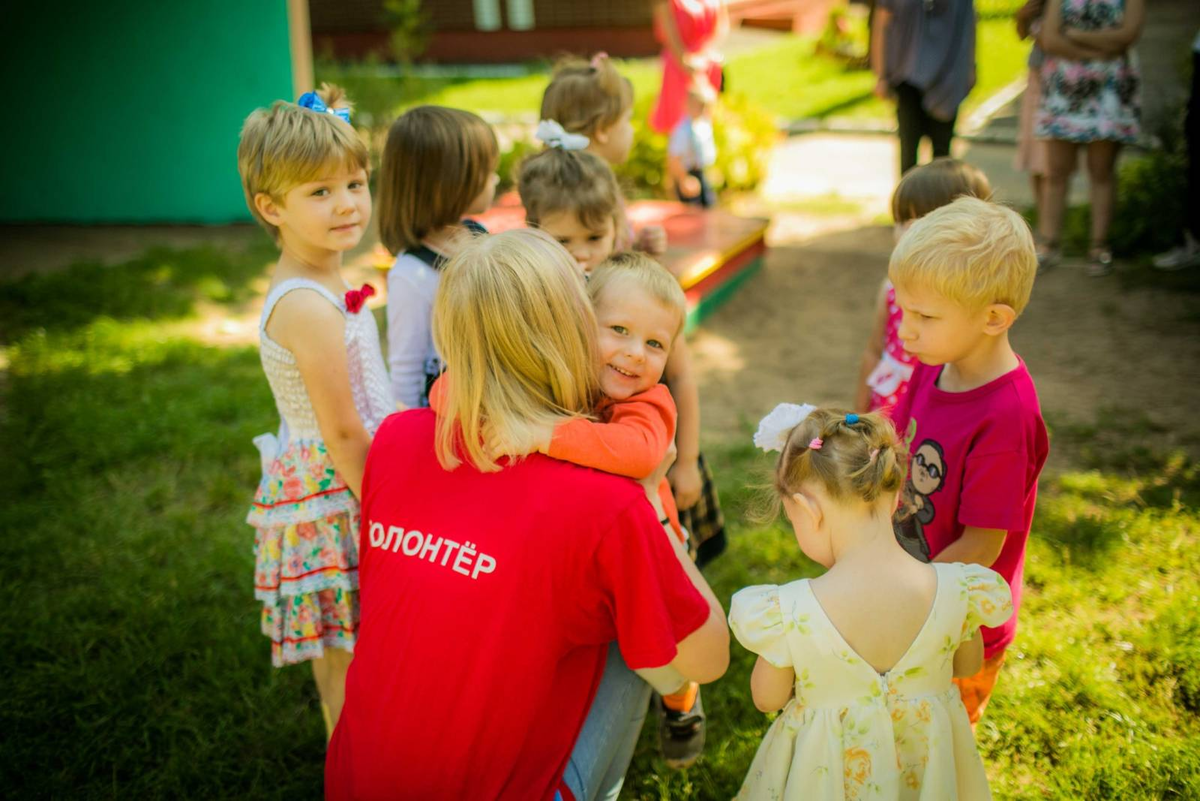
column 927, row 473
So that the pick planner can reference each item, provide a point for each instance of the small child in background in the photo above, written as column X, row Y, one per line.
column 1032, row 154
column 886, row 366
column 691, row 148
column 591, row 99
column 304, row 174
column 438, row 166
column 861, row 658
column 971, row 418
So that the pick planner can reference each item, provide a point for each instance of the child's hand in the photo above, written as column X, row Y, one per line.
column 686, row 483
column 690, row 185
column 652, row 239
column 882, row 90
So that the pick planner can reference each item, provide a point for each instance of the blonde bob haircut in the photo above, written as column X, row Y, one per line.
column 435, row 163
column 586, row 96
column 972, row 252
column 862, row 461
column 514, row 325
column 936, row 184
column 556, row 180
column 285, row 145
column 647, row 275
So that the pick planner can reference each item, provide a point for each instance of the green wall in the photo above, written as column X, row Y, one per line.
column 129, row 110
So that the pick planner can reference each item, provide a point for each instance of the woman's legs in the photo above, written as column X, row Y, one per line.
column 940, row 133
column 1061, row 156
column 910, row 119
column 1101, row 158
column 329, row 671
column 604, row 749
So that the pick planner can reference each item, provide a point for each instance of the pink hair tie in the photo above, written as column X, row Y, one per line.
column 874, row 453
column 816, row 444
column 599, row 59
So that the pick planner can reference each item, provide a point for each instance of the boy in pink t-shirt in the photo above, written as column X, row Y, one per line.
column 971, row 418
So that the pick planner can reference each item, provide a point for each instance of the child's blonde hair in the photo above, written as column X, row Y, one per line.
column 650, row 276
column 436, row 161
column 859, row 457
column 586, row 96
column 285, row 145
column 972, row 252
column 936, row 184
column 513, row 322
column 557, row 180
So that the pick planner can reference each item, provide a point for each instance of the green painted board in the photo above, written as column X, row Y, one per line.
column 129, row 111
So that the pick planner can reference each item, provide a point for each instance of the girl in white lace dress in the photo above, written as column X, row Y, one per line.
column 860, row 659
column 304, row 171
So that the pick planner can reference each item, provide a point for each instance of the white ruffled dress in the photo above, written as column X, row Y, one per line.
column 305, row 517
column 851, row 732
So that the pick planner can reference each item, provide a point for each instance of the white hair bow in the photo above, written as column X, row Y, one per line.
column 554, row 135
column 773, row 429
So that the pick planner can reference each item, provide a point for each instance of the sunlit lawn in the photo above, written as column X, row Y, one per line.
column 135, row 664
column 787, row 78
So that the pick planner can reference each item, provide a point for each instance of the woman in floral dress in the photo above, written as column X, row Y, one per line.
column 1090, row 88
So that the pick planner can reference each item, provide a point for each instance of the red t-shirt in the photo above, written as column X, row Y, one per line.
column 974, row 460
column 488, row 601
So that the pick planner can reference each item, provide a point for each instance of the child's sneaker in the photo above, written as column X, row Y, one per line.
column 680, row 734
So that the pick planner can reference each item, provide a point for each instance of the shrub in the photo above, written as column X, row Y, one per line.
column 744, row 134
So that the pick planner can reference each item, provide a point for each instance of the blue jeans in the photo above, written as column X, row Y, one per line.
column 596, row 769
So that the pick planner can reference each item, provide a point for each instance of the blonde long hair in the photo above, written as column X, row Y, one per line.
column 513, row 323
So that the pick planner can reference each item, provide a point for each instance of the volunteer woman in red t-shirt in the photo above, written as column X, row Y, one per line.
column 495, row 591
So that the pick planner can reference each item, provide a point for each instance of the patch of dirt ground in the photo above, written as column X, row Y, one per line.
column 796, row 331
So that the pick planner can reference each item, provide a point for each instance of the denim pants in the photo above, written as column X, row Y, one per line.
column 596, row 769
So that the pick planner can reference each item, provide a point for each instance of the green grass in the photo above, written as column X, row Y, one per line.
column 136, row 668
column 786, row 78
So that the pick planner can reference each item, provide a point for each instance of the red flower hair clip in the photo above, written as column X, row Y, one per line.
column 355, row 298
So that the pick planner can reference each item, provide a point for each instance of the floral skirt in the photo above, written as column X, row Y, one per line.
column 1089, row 101
column 306, row 575
column 306, row 524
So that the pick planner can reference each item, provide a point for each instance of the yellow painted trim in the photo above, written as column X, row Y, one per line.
column 707, row 267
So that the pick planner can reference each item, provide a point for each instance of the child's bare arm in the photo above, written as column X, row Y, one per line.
column 315, row 333
column 968, row 659
column 771, row 687
column 685, row 475
column 873, row 352
column 980, row 546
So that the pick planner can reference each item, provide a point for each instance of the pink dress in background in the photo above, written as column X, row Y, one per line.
column 696, row 21
column 889, row 380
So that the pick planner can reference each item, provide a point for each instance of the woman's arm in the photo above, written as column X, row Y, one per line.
column 771, row 687
column 879, row 26
column 685, row 475
column 1026, row 16
column 1054, row 42
column 968, row 659
column 1114, row 41
column 873, row 352
column 703, row 655
column 665, row 21
column 315, row 332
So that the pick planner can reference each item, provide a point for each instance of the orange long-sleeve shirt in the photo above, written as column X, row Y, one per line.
column 631, row 439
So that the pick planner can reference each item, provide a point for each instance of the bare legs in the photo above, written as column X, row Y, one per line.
column 329, row 671
column 1101, row 159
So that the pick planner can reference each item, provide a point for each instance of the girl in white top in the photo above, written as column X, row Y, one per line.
column 439, row 165
column 304, row 172
column 860, row 659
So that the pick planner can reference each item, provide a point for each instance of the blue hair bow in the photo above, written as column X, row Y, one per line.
column 313, row 101
column 851, row 419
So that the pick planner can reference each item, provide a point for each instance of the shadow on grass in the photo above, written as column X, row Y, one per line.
column 135, row 664
column 163, row 283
